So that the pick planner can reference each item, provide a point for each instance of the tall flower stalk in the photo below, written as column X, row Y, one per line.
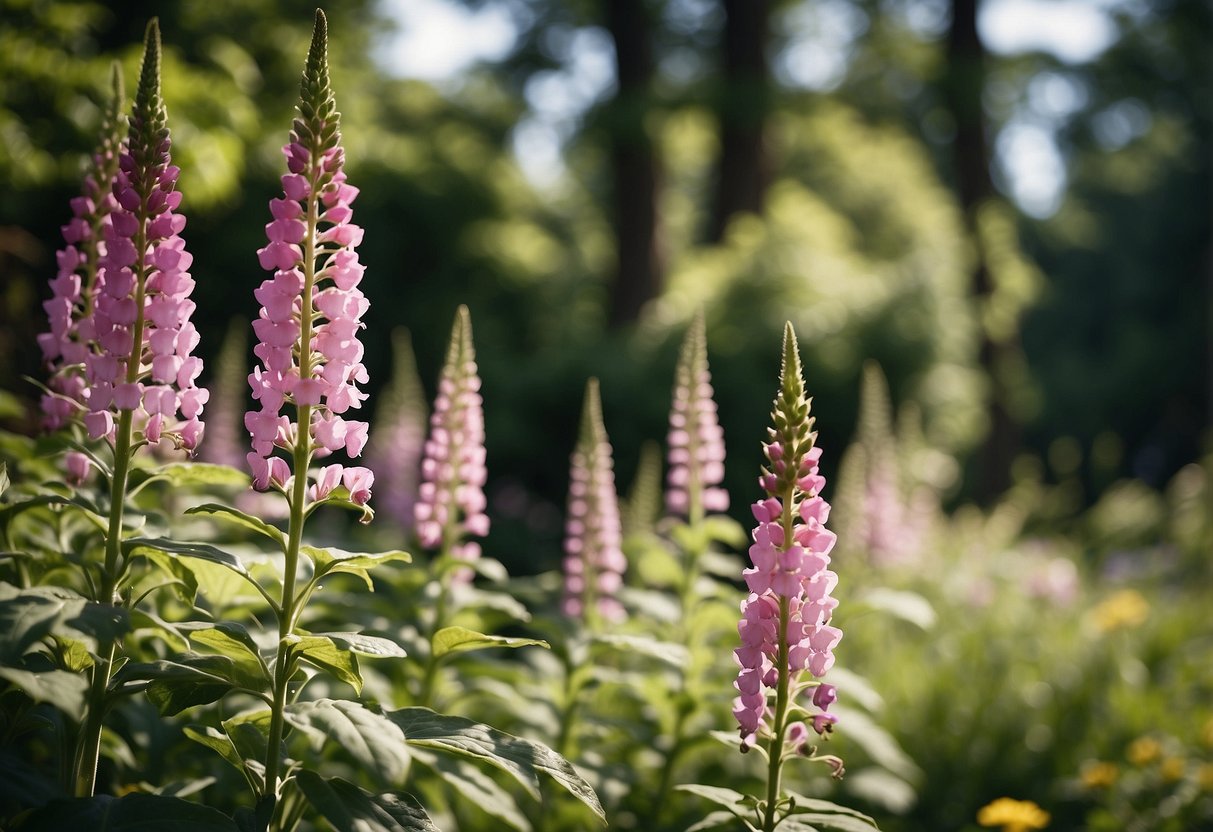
column 139, row 368
column 696, row 457
column 451, row 505
column 311, row 358
column 787, row 640
column 67, row 343
column 593, row 556
column 396, row 450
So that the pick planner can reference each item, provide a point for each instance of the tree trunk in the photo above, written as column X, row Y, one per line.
column 963, row 86
column 745, row 94
column 636, row 166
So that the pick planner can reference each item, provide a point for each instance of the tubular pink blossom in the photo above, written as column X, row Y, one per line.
column 594, row 562
column 696, row 439
column 789, row 605
column 70, row 339
column 311, row 310
column 143, row 359
column 451, row 503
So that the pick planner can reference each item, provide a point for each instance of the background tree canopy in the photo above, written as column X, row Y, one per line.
column 838, row 163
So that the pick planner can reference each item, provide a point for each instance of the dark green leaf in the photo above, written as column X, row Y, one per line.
column 217, row 741
column 461, row 640
column 522, row 759
column 64, row 690
column 131, row 813
column 230, row 639
column 174, row 686
column 347, row 807
column 374, row 741
column 201, row 551
column 249, row 733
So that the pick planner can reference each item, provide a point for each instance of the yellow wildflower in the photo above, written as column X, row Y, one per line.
column 1013, row 815
column 1204, row 776
column 1099, row 775
column 1143, row 751
column 1123, row 609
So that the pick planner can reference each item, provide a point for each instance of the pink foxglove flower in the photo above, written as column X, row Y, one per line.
column 451, row 504
column 144, row 361
column 311, row 309
column 696, row 439
column 789, row 609
column 593, row 558
column 67, row 344
column 396, row 449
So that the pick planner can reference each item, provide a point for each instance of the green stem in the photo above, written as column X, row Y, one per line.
column 302, row 458
column 90, row 741
column 425, row 697
column 781, row 691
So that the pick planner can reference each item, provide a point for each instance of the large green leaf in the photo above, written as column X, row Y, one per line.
column 227, row 638
column 200, row 551
column 217, row 741
column 238, row 518
column 877, row 742
column 173, row 686
column 27, row 617
column 906, row 605
column 462, row 640
column 131, row 813
column 476, row 787
column 322, row 652
column 374, row 741
column 817, row 806
column 522, row 759
column 249, row 733
column 194, row 473
column 732, row 800
column 66, row 691
column 328, row 560
column 347, row 807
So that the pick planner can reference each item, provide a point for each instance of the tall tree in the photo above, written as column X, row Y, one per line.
column 963, row 83
column 745, row 95
column 636, row 167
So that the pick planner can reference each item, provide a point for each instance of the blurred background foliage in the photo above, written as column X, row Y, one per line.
column 871, row 204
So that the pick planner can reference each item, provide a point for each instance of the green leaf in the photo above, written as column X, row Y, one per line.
column 908, row 606
column 461, row 640
column 321, row 652
column 882, row 788
column 64, row 690
column 131, row 813
column 340, row 497
column 373, row 740
column 726, row 530
column 715, row 820
column 735, row 802
column 877, row 742
column 230, row 639
column 825, row 814
column 347, row 807
column 201, row 551
column 239, row 518
column 197, row 473
column 27, row 617
column 476, row 787
column 673, row 654
column 217, row 741
column 364, row 645
column 4, row 481
column 174, row 686
column 522, row 759
column 249, row 733
column 329, row 561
